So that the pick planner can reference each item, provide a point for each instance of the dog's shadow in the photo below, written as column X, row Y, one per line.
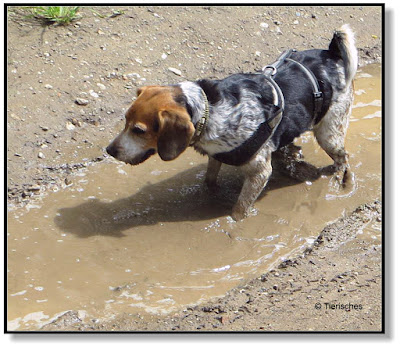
column 182, row 197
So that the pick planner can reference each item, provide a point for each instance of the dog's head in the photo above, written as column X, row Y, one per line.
column 155, row 123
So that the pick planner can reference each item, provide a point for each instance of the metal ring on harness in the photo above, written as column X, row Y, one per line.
column 274, row 70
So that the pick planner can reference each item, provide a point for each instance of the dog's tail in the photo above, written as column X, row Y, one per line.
column 343, row 45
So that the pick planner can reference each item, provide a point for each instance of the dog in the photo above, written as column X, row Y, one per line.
column 241, row 120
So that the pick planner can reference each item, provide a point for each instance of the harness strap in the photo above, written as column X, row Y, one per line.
column 270, row 70
column 318, row 100
column 266, row 130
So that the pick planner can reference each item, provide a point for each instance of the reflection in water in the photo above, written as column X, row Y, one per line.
column 152, row 237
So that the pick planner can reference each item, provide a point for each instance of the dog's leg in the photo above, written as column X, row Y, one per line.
column 257, row 173
column 331, row 132
column 212, row 172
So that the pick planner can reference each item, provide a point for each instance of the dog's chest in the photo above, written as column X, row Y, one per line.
column 231, row 128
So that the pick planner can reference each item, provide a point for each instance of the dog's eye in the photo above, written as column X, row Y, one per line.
column 138, row 131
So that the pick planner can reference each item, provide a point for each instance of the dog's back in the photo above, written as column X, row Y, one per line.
column 334, row 70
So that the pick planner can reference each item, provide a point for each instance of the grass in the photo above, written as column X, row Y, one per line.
column 61, row 15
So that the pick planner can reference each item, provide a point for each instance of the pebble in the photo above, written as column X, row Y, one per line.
column 175, row 71
column 101, row 86
column 48, row 86
column 41, row 155
column 296, row 22
column 34, row 188
column 164, row 56
column 70, row 126
column 132, row 75
column 81, row 101
column 264, row 25
column 76, row 122
column 93, row 94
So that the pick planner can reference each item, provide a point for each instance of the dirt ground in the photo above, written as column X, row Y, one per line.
column 68, row 88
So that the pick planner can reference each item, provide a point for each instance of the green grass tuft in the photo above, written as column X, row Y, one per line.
column 55, row 14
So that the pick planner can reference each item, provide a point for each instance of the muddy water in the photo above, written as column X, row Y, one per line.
column 151, row 238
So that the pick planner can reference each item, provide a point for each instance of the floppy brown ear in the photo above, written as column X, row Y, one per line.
column 175, row 134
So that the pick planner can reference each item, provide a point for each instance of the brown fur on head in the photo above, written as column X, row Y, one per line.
column 155, row 122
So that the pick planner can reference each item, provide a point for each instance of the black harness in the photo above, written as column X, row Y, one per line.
column 264, row 132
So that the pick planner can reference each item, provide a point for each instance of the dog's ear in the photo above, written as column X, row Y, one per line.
column 176, row 130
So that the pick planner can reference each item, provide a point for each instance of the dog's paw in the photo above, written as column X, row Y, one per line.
column 345, row 178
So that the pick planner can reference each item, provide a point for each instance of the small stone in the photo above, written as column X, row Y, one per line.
column 296, row 22
column 164, row 56
column 76, row 122
column 175, row 71
column 41, row 155
column 48, row 86
column 264, row 25
column 81, row 101
column 93, row 94
column 44, row 128
column 258, row 53
column 101, row 86
column 34, row 188
column 132, row 75
column 70, row 126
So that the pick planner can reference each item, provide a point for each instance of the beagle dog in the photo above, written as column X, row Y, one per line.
column 240, row 120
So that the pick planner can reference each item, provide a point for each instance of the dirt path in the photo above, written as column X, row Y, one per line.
column 68, row 88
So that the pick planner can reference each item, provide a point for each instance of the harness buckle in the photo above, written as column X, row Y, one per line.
column 317, row 95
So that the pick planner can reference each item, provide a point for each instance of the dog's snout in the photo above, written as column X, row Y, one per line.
column 112, row 150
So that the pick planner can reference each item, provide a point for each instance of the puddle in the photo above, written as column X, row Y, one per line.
column 152, row 239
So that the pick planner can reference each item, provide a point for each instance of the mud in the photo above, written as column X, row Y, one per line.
column 97, row 248
column 94, row 241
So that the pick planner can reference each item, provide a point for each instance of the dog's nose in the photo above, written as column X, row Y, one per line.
column 111, row 150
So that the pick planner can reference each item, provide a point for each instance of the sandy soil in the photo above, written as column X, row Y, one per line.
column 68, row 88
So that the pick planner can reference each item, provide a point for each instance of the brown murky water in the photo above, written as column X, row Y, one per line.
column 152, row 239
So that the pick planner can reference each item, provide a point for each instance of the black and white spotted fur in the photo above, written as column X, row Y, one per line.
column 240, row 103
